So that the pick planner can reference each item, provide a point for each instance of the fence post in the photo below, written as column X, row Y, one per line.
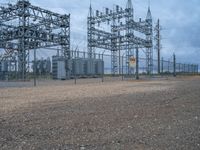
column 34, row 67
column 15, row 68
column 158, row 61
column 137, row 63
column 84, row 55
column 75, row 57
column 162, row 65
column 189, row 69
column 102, row 70
column 75, row 72
column 196, row 68
column 119, row 62
column 122, row 68
column 181, row 69
column 168, row 66
column 102, row 75
column 174, row 65
column 78, row 54
column 192, row 69
column 184, row 69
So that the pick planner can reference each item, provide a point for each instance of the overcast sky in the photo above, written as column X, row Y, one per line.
column 180, row 21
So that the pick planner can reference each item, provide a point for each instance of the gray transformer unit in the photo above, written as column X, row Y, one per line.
column 99, row 67
column 58, row 68
column 43, row 66
column 90, row 67
column 4, row 66
column 3, row 70
column 78, row 67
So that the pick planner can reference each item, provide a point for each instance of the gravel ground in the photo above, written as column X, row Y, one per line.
column 151, row 115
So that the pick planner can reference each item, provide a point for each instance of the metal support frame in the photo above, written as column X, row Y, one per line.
column 34, row 27
column 120, row 36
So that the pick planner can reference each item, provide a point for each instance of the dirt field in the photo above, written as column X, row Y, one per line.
column 151, row 115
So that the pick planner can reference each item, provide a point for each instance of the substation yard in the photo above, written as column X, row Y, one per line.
column 154, row 114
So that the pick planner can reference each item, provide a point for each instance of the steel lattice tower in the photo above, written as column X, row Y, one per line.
column 121, row 37
column 129, row 33
column 33, row 28
column 149, row 49
column 90, row 24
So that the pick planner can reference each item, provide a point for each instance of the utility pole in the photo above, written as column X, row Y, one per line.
column 174, row 57
column 102, row 75
column 162, row 65
column 35, row 67
column 158, row 42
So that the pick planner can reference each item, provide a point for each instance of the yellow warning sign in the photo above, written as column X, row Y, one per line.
column 132, row 62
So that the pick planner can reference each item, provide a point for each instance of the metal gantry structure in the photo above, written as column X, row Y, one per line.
column 24, row 27
column 120, row 35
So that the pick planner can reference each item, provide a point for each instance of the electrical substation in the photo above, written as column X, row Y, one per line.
column 94, row 75
column 25, row 28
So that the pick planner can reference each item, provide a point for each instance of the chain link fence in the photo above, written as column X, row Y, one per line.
column 80, row 70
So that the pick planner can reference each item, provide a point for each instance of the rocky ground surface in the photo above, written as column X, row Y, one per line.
column 151, row 115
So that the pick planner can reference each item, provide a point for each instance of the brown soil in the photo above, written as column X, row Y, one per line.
column 158, row 114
